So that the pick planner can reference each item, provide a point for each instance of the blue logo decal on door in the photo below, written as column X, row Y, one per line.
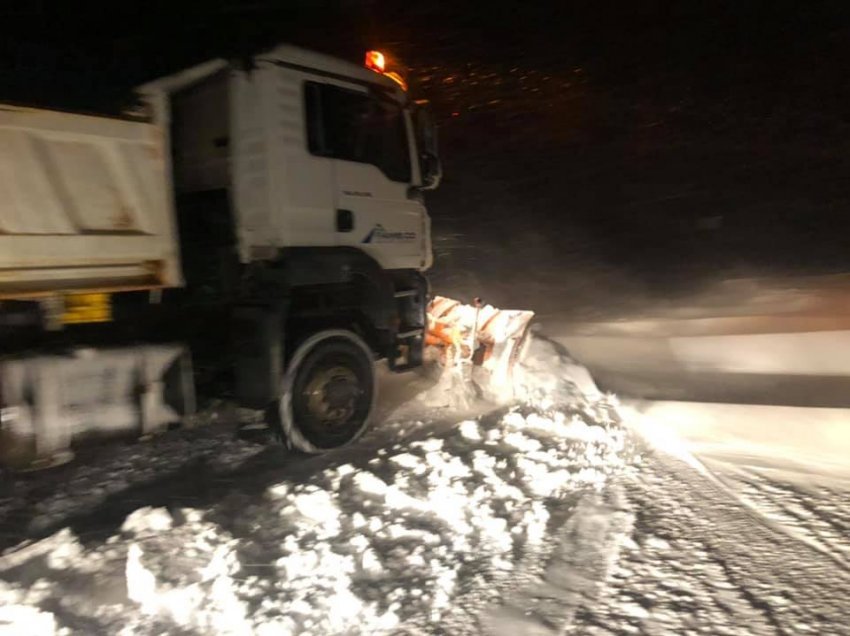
column 380, row 235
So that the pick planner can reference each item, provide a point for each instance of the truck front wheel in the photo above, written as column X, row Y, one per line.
column 329, row 391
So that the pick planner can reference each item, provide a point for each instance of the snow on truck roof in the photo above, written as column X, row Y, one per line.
column 284, row 55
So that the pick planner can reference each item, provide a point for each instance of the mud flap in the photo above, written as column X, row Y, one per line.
column 49, row 401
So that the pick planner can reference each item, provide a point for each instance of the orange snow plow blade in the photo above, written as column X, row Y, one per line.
column 477, row 334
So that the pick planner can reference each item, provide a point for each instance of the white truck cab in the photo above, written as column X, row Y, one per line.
column 315, row 151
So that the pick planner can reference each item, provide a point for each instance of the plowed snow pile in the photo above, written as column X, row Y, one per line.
column 392, row 542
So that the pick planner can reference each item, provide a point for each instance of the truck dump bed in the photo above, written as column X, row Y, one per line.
column 85, row 205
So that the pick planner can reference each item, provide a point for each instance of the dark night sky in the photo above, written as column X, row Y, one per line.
column 85, row 54
column 632, row 121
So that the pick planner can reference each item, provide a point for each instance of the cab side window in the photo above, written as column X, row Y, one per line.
column 354, row 126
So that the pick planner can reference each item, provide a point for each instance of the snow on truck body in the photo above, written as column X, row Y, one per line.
column 284, row 198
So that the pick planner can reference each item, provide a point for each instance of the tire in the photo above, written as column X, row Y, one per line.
column 329, row 391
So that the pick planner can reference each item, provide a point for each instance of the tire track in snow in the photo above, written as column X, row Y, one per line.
column 576, row 572
column 698, row 562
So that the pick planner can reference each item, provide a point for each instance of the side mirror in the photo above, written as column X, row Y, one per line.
column 432, row 170
column 426, row 138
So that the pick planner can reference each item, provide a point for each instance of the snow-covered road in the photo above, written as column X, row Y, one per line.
column 698, row 561
column 556, row 515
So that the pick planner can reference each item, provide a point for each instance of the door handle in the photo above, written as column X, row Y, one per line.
column 344, row 220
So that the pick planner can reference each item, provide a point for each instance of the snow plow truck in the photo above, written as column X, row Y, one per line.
column 253, row 231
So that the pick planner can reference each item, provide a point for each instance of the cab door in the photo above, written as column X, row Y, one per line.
column 366, row 133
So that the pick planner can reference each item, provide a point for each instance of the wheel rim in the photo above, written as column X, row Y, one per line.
column 328, row 391
column 331, row 397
